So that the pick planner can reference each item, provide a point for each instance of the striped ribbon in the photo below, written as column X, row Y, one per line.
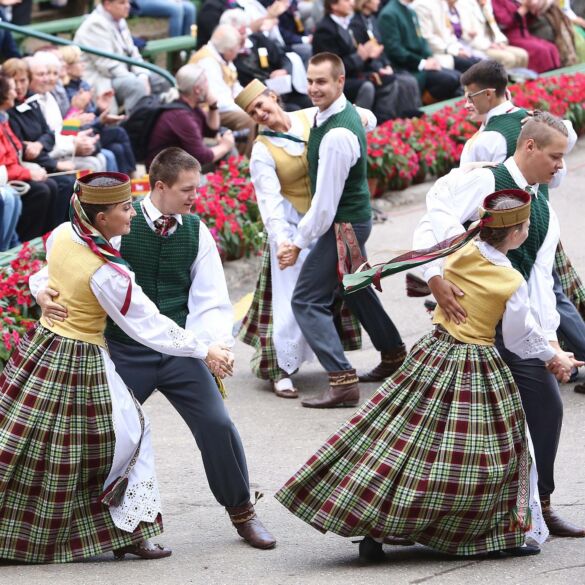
column 366, row 274
column 99, row 245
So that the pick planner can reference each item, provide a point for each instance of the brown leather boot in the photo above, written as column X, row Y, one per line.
column 391, row 361
column 343, row 391
column 556, row 525
column 249, row 526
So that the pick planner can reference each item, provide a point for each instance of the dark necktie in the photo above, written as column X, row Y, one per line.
column 164, row 224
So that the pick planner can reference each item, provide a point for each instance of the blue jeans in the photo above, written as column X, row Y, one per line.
column 181, row 15
column 11, row 207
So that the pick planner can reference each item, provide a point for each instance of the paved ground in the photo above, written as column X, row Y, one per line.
column 279, row 435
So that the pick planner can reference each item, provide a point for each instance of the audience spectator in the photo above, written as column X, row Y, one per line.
column 481, row 31
column 511, row 17
column 181, row 14
column 263, row 58
column 187, row 125
column 217, row 60
column 407, row 50
column 82, row 148
column 208, row 18
column 10, row 211
column 42, row 206
column 404, row 86
column 435, row 27
column 293, row 32
column 97, row 112
column 29, row 124
column 8, row 48
column 107, row 29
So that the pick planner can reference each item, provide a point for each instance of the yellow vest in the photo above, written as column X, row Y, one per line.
column 293, row 171
column 487, row 288
column 71, row 266
column 230, row 76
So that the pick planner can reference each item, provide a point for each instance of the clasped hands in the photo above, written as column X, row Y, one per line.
column 287, row 255
column 220, row 360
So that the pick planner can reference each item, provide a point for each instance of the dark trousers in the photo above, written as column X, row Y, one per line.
column 313, row 299
column 462, row 64
column 543, row 406
column 571, row 331
column 443, row 84
column 189, row 386
column 116, row 139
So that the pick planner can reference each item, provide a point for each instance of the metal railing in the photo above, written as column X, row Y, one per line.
column 29, row 32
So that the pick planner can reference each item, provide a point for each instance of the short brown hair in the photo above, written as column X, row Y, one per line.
column 541, row 128
column 487, row 74
column 168, row 164
column 337, row 67
column 12, row 67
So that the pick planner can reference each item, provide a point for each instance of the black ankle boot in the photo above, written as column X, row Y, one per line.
column 370, row 550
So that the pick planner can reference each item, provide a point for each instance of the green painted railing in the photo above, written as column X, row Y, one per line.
column 29, row 32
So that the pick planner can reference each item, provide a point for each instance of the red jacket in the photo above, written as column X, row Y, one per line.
column 9, row 144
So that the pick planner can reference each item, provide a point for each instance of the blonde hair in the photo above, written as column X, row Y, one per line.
column 70, row 54
column 12, row 67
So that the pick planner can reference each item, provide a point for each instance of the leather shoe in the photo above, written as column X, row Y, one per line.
column 143, row 549
column 370, row 550
column 398, row 541
column 527, row 550
column 343, row 391
column 556, row 525
column 249, row 526
column 579, row 388
column 391, row 361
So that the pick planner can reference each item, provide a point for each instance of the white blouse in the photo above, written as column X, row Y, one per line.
column 522, row 334
column 454, row 199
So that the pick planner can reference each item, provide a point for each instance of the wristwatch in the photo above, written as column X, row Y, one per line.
column 213, row 106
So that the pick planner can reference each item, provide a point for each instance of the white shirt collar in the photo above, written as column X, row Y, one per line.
column 503, row 108
column 342, row 21
column 337, row 106
column 154, row 213
column 490, row 253
column 518, row 177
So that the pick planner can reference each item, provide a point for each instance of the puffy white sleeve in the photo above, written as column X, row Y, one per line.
column 487, row 146
column 143, row 321
column 210, row 316
column 521, row 332
column 268, row 194
column 40, row 280
column 368, row 115
column 562, row 173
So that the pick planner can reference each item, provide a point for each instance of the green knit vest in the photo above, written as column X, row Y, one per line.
column 523, row 258
column 162, row 267
column 509, row 126
column 354, row 205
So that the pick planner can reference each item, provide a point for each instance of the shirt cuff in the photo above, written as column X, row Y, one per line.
column 300, row 242
column 422, row 64
column 431, row 272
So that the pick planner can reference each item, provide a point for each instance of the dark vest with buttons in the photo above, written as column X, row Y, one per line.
column 354, row 205
column 523, row 258
column 162, row 267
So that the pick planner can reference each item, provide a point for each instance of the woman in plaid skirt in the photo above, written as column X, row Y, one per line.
column 440, row 454
column 77, row 474
column 279, row 172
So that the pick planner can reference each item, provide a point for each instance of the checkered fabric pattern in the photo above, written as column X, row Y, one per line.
column 435, row 455
column 256, row 329
column 56, row 448
column 570, row 281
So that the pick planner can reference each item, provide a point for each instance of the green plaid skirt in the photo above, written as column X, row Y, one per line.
column 56, row 448
column 438, row 455
column 570, row 281
column 256, row 329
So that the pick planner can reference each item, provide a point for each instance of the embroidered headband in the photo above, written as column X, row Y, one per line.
column 504, row 218
column 101, row 195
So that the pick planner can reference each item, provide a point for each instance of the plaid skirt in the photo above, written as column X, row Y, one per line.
column 56, row 449
column 570, row 281
column 256, row 329
column 438, row 455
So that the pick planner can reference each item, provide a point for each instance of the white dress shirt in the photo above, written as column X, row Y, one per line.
column 338, row 152
column 455, row 199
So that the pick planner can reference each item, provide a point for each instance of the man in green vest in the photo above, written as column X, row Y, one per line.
column 177, row 264
column 485, row 89
column 454, row 201
column 338, row 222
